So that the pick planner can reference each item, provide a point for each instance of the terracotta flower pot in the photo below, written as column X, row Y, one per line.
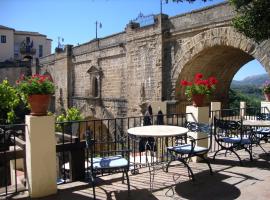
column 39, row 104
column 267, row 96
column 198, row 100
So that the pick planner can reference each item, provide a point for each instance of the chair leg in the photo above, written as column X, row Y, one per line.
column 262, row 149
column 126, row 172
column 207, row 162
column 236, row 156
column 188, row 167
column 214, row 157
column 123, row 177
column 172, row 159
column 168, row 164
column 93, row 186
column 249, row 152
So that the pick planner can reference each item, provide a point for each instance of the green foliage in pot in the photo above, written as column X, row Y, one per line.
column 72, row 114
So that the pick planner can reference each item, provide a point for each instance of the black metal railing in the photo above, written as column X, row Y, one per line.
column 13, row 178
column 110, row 136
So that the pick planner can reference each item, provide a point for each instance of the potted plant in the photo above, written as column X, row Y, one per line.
column 266, row 90
column 67, row 122
column 38, row 90
column 199, row 88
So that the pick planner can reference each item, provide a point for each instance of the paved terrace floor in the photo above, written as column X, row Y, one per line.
column 230, row 181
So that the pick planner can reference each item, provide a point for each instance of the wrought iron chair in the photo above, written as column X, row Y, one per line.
column 116, row 161
column 231, row 136
column 264, row 132
column 185, row 151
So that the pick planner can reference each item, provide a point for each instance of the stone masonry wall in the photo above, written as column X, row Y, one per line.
column 143, row 64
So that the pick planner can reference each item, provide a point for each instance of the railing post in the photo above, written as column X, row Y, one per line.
column 77, row 164
column 40, row 155
column 199, row 115
column 243, row 106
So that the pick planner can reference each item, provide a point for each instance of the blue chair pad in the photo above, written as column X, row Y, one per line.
column 233, row 140
column 186, row 149
column 109, row 162
column 264, row 131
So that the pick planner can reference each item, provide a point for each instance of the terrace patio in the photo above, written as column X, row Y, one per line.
column 229, row 181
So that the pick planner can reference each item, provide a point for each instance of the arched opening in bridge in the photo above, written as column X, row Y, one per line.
column 220, row 61
column 247, row 85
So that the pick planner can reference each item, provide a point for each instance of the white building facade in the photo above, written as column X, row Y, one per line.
column 22, row 45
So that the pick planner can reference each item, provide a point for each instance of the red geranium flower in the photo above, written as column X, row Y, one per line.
column 199, row 85
column 198, row 76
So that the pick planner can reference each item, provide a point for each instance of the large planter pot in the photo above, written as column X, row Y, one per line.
column 267, row 96
column 198, row 100
column 39, row 104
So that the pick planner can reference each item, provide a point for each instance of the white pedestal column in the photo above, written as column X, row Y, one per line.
column 243, row 106
column 215, row 109
column 41, row 155
column 265, row 106
column 199, row 115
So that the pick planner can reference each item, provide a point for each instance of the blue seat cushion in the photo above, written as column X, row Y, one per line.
column 109, row 162
column 234, row 140
column 264, row 131
column 186, row 149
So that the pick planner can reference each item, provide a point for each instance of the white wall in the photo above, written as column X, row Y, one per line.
column 7, row 49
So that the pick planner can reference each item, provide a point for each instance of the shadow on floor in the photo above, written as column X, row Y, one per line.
column 207, row 187
column 67, row 194
column 135, row 194
column 263, row 162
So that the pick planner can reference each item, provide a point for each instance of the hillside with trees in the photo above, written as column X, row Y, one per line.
column 248, row 90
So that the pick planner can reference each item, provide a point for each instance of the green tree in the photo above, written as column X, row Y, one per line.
column 253, row 18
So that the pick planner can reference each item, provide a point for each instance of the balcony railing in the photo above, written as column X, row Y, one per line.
column 28, row 50
column 12, row 162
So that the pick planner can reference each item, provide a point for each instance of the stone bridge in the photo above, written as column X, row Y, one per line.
column 119, row 74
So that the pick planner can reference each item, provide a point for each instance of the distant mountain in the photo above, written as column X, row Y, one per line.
column 256, row 80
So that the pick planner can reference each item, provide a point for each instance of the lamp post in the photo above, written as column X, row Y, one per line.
column 98, row 24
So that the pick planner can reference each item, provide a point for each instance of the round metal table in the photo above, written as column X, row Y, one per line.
column 156, row 131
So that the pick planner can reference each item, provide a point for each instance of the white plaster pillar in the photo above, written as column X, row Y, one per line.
column 41, row 155
column 243, row 106
column 215, row 106
column 265, row 106
column 199, row 115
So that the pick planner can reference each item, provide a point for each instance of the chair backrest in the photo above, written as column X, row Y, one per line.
column 227, row 127
column 200, row 127
column 88, row 139
column 263, row 116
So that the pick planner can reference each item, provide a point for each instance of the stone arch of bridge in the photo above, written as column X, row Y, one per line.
column 219, row 52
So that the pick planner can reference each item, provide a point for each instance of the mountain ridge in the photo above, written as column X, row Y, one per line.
column 256, row 80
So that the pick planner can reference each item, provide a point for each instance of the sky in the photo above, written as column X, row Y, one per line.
column 74, row 20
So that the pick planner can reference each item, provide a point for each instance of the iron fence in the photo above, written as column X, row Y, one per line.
column 13, row 178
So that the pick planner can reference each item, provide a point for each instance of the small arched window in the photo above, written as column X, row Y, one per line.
column 95, row 75
column 95, row 87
